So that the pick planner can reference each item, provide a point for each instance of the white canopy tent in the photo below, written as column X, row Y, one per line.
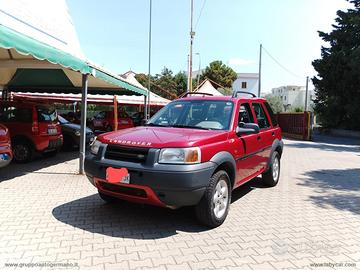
column 207, row 88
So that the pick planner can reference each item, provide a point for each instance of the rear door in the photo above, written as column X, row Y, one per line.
column 249, row 148
column 265, row 137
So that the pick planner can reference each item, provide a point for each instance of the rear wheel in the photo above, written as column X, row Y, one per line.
column 214, row 206
column 271, row 177
column 22, row 151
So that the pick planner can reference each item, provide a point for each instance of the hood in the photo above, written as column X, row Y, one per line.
column 159, row 137
column 74, row 127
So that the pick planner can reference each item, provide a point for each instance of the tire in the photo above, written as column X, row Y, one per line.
column 271, row 177
column 68, row 143
column 107, row 198
column 23, row 151
column 209, row 211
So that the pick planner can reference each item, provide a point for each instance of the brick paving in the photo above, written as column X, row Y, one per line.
column 49, row 214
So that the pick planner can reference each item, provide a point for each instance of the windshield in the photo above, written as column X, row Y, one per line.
column 46, row 114
column 62, row 120
column 200, row 114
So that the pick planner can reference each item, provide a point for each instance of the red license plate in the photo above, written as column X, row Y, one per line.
column 117, row 175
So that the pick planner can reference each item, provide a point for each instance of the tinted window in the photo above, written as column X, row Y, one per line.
column 13, row 114
column 261, row 117
column 245, row 114
column 271, row 113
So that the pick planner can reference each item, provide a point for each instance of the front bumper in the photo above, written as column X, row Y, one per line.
column 158, row 184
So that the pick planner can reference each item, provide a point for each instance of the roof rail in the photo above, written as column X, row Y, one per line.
column 194, row 93
column 235, row 93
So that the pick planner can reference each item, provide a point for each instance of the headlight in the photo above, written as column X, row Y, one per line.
column 77, row 133
column 180, row 155
column 94, row 148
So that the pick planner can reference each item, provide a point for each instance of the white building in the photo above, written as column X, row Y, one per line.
column 248, row 82
column 293, row 96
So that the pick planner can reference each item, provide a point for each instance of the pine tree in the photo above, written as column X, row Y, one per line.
column 337, row 85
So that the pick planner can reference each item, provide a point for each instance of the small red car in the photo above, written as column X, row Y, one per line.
column 104, row 121
column 33, row 128
column 5, row 147
column 193, row 152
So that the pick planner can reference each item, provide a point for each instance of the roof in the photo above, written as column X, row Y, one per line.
column 248, row 75
column 207, row 88
column 222, row 98
column 26, row 62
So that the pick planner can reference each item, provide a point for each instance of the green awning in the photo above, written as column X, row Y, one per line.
column 28, row 46
column 51, row 78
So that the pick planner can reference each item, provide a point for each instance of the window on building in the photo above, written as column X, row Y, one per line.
column 244, row 85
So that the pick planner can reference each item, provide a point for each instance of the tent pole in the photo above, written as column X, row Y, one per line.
column 85, row 80
column 115, row 114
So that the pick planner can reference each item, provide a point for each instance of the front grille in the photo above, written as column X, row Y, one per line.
column 136, row 192
column 137, row 155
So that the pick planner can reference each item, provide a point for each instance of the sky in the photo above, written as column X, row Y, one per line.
column 114, row 34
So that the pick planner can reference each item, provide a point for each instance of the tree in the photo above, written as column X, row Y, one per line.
column 219, row 73
column 337, row 85
column 275, row 103
column 181, row 82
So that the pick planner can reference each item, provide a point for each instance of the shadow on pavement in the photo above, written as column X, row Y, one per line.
column 126, row 220
column 328, row 143
column 135, row 221
column 39, row 162
column 336, row 188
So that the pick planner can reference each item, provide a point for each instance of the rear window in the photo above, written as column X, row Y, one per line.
column 271, row 113
column 46, row 114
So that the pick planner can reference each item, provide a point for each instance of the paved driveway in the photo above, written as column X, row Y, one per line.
column 51, row 217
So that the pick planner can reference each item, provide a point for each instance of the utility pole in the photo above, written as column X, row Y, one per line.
column 198, row 75
column 192, row 34
column 306, row 93
column 147, row 111
column 259, row 90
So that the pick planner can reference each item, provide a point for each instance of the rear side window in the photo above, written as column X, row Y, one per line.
column 261, row 117
column 271, row 113
column 12, row 114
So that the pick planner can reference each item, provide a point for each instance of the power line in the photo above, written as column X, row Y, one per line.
column 282, row 66
column 201, row 10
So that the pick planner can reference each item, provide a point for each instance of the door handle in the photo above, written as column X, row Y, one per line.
column 273, row 133
column 259, row 138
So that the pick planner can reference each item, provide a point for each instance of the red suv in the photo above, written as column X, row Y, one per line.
column 105, row 121
column 33, row 127
column 5, row 147
column 195, row 151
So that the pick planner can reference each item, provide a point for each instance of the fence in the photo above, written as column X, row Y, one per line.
column 295, row 125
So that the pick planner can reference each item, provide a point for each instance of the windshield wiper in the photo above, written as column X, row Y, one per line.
column 154, row 125
column 185, row 126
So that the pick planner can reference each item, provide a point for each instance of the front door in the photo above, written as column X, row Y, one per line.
column 249, row 149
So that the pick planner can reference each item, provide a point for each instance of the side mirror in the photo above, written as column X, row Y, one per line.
column 247, row 129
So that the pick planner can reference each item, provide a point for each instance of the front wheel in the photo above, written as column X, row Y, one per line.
column 272, row 175
column 214, row 206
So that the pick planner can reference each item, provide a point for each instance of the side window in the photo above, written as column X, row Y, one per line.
column 261, row 117
column 271, row 113
column 245, row 114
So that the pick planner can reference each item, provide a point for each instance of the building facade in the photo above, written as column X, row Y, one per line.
column 248, row 82
column 293, row 96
